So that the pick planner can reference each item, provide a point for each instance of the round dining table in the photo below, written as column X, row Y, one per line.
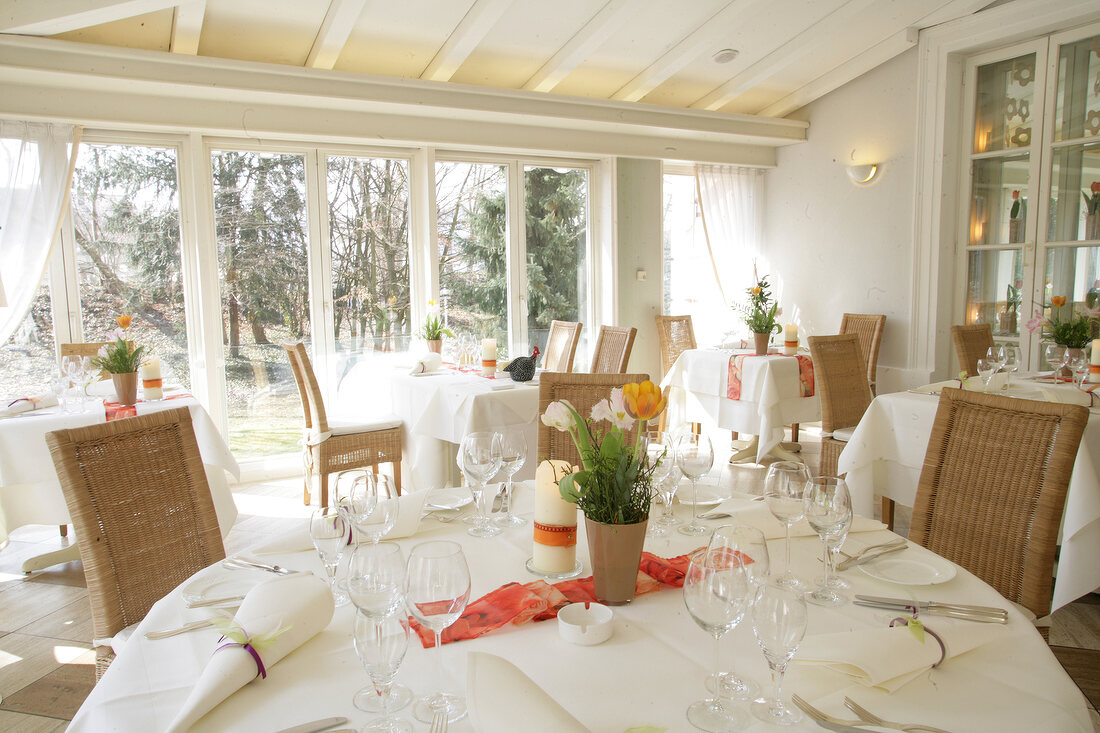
column 647, row 674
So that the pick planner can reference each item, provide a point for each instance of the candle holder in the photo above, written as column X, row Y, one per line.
column 578, row 568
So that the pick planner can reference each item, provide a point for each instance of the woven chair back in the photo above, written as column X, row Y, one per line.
column 137, row 493
column 613, row 348
column 868, row 328
column 313, row 405
column 561, row 346
column 675, row 335
column 993, row 489
column 971, row 343
column 582, row 391
column 840, row 379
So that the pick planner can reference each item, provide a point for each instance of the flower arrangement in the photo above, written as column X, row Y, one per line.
column 614, row 485
column 760, row 312
column 1013, row 297
column 433, row 327
column 1074, row 333
column 119, row 356
column 1092, row 203
column 1014, row 212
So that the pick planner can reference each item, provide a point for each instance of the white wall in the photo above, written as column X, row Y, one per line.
column 638, row 234
column 833, row 247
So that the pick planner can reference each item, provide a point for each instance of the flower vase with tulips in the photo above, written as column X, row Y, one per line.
column 118, row 355
column 1073, row 333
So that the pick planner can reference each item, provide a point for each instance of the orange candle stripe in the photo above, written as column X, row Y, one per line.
column 489, row 363
column 554, row 535
column 790, row 344
column 152, row 383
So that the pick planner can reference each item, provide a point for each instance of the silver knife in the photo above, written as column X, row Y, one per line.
column 860, row 559
column 315, row 726
column 928, row 606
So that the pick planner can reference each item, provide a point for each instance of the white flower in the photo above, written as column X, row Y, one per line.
column 102, row 353
column 613, row 410
column 557, row 416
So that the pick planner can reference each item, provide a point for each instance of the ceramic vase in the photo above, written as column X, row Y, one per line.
column 126, row 387
column 435, row 345
column 1092, row 226
column 760, row 341
column 615, row 551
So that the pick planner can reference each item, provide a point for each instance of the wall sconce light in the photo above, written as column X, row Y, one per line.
column 862, row 175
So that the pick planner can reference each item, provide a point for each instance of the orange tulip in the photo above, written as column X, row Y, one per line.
column 124, row 321
column 643, row 400
column 1058, row 300
column 757, row 290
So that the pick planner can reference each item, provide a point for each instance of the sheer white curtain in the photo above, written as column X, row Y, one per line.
column 732, row 203
column 36, row 168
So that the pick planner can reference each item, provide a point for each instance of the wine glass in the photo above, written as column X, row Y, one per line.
column 1013, row 359
column 660, row 450
column 986, row 370
column 376, row 585
column 1056, row 357
column 329, row 531
column 779, row 622
column 784, row 488
column 381, row 507
column 381, row 647
column 513, row 454
column 437, row 589
column 996, row 355
column 350, row 496
column 481, row 459
column 1079, row 365
column 716, row 594
column 828, row 509
column 749, row 544
column 694, row 456
column 834, row 542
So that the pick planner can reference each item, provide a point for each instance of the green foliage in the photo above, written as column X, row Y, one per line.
column 433, row 329
column 1075, row 333
column 119, row 358
column 759, row 312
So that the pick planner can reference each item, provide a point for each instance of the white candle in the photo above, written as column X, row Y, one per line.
column 1094, row 366
column 790, row 332
column 555, row 546
column 488, row 357
column 151, row 382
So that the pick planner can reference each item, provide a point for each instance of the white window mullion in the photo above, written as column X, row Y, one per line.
column 319, row 256
column 424, row 257
column 516, row 259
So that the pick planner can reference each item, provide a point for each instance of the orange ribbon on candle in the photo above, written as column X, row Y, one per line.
column 147, row 383
column 790, row 344
column 553, row 535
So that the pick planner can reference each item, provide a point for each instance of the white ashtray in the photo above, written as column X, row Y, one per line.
column 585, row 624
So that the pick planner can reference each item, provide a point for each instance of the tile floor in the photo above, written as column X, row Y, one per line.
column 47, row 667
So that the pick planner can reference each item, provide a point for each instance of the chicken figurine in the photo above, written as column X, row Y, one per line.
column 522, row 368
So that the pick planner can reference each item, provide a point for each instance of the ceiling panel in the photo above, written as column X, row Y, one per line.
column 400, row 38
column 151, row 31
column 275, row 31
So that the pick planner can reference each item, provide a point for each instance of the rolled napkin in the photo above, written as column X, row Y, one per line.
column 286, row 612
column 756, row 514
column 502, row 698
column 410, row 509
column 889, row 658
column 102, row 388
column 1064, row 394
column 12, row 406
column 430, row 362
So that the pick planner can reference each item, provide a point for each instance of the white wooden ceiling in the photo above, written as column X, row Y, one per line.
column 790, row 52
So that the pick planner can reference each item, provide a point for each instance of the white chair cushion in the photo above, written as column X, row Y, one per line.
column 345, row 427
column 843, row 434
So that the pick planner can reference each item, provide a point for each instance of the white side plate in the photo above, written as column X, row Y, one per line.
column 911, row 569
column 222, row 582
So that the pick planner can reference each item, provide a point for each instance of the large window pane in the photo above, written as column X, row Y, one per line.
column 999, row 203
column 126, row 218
column 260, row 215
column 1074, row 169
column 557, row 236
column 1005, row 102
column 28, row 361
column 471, row 229
column 1077, row 106
column 1074, row 273
column 993, row 290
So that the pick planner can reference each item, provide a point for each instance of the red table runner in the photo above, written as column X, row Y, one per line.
column 805, row 374
column 115, row 411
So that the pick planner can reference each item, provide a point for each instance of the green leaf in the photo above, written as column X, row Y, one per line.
column 916, row 628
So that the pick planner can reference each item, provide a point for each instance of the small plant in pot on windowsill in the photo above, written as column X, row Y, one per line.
column 121, row 358
column 760, row 313
column 434, row 330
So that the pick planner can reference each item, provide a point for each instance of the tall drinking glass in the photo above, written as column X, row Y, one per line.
column 784, row 489
column 1056, row 357
column 1013, row 359
column 480, row 462
column 330, row 531
column 779, row 622
column 382, row 506
column 986, row 370
column 437, row 589
column 828, row 509
column 660, row 451
column 381, row 647
column 351, row 498
column 376, row 585
column 694, row 456
column 513, row 454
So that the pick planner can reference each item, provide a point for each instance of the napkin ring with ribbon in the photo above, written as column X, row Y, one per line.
column 253, row 644
column 918, row 630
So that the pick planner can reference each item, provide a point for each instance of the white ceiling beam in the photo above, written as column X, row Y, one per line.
column 854, row 67
column 469, row 32
column 689, row 48
column 951, row 10
column 337, row 26
column 187, row 27
column 49, row 17
column 578, row 48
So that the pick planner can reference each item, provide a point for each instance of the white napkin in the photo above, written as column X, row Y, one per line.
column 410, row 508
column 302, row 602
column 889, row 658
column 297, row 540
column 102, row 388
column 12, row 406
column 502, row 699
column 1064, row 394
column 756, row 514
column 430, row 362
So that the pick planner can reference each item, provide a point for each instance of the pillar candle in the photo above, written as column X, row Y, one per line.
column 555, row 548
column 488, row 357
column 1094, row 366
column 790, row 332
column 151, row 382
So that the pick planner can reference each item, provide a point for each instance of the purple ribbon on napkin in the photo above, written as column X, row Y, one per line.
column 247, row 646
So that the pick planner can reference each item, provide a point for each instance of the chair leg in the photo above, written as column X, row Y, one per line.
column 397, row 475
column 63, row 529
column 306, row 498
column 888, row 512
column 323, row 497
column 794, row 432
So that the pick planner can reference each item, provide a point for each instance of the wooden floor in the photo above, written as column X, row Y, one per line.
column 47, row 667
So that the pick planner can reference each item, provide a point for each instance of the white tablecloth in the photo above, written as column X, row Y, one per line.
column 769, row 394
column 30, row 492
column 886, row 452
column 646, row 674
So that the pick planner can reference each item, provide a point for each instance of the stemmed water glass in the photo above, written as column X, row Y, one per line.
column 381, row 647
column 694, row 456
column 1079, row 365
column 834, row 542
column 828, row 509
column 986, row 370
column 779, row 622
column 513, row 454
column 376, row 585
column 784, row 488
column 350, row 496
column 1012, row 361
column 329, row 531
column 437, row 589
column 481, row 459
column 382, row 506
column 660, row 449
column 1056, row 356
column 716, row 594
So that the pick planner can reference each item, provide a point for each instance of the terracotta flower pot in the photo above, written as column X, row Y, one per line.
column 615, row 551
column 435, row 345
column 760, row 341
column 126, row 387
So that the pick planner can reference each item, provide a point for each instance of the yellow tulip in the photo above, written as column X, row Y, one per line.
column 1058, row 301
column 643, row 401
column 757, row 290
column 124, row 321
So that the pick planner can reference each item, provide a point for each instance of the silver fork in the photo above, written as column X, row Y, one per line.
column 867, row 715
column 439, row 722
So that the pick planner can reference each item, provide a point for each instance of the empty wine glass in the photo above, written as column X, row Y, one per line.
column 996, row 355
column 784, row 489
column 660, row 451
column 350, row 496
column 694, row 456
column 716, row 594
column 779, row 622
column 828, row 509
column 834, row 542
column 376, row 585
column 1013, row 359
column 481, row 458
column 381, row 646
column 1079, row 366
column 382, row 505
column 513, row 454
column 986, row 370
column 329, row 532
column 1056, row 358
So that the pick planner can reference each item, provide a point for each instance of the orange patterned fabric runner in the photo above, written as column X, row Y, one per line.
column 805, row 375
column 116, row 411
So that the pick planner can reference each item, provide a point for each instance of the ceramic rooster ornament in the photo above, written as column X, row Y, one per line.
column 522, row 368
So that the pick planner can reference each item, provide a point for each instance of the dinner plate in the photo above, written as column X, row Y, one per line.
column 910, row 568
column 453, row 498
column 706, row 494
column 222, row 582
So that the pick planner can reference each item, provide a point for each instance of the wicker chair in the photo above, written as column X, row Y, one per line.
column 561, row 346
column 993, row 489
column 971, row 343
column 868, row 327
column 613, row 349
column 840, row 378
column 675, row 335
column 137, row 493
column 332, row 446
column 582, row 391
